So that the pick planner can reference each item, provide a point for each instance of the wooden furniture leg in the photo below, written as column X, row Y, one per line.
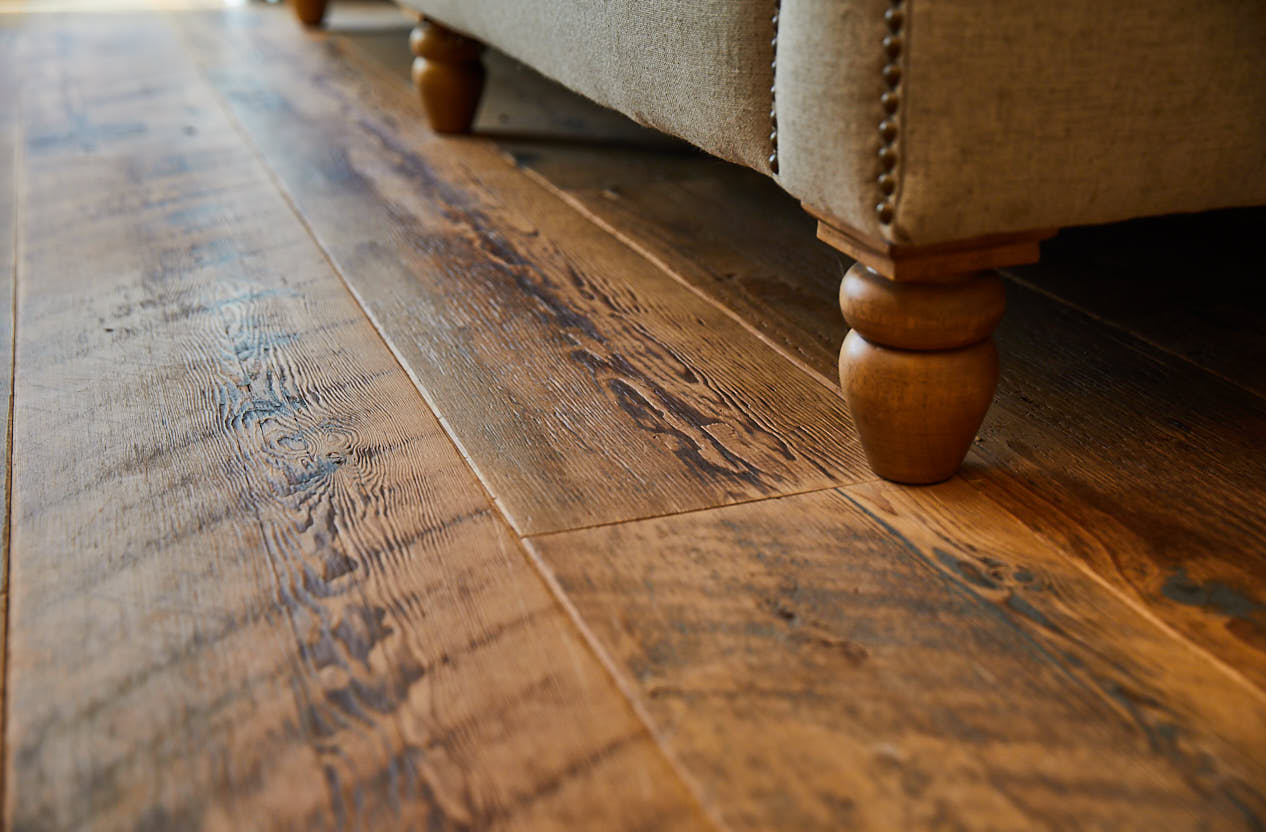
column 919, row 366
column 448, row 74
column 310, row 12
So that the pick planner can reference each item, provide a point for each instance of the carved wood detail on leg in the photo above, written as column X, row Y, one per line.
column 919, row 368
column 310, row 12
column 448, row 74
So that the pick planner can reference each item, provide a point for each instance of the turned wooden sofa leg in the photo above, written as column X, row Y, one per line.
column 448, row 74
column 310, row 12
column 919, row 368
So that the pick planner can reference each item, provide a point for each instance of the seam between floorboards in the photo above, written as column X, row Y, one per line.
column 1122, row 328
column 19, row 217
column 646, row 254
column 368, row 66
column 1131, row 602
column 691, row 786
column 701, row 509
column 547, row 575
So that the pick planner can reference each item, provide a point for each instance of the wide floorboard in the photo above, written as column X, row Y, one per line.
column 254, row 585
column 364, row 478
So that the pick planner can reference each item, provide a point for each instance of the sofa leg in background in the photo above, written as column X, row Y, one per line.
column 919, row 366
column 448, row 74
column 310, row 12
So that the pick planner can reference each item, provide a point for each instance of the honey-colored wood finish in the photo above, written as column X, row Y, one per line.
column 254, row 585
column 1115, row 441
column 310, row 12
column 546, row 395
column 448, row 75
column 880, row 657
column 919, row 368
column 258, row 584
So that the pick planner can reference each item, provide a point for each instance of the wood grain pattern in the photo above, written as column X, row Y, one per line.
column 711, row 225
column 1145, row 467
column 254, row 585
column 1100, row 270
column 886, row 658
column 584, row 384
column 919, row 368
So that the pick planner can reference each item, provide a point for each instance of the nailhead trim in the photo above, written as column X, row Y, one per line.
column 890, row 101
column 773, row 105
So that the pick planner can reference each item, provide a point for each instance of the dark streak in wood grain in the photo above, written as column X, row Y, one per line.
column 1107, row 432
column 801, row 652
column 256, row 585
column 441, row 240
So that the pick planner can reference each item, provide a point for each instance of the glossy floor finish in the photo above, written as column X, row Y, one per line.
column 364, row 479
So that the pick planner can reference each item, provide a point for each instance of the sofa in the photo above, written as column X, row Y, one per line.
column 933, row 140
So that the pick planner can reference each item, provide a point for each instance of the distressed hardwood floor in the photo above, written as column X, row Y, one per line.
column 363, row 479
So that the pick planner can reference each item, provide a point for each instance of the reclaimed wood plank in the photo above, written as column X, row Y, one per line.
column 1145, row 467
column 879, row 657
column 253, row 584
column 688, row 214
column 583, row 383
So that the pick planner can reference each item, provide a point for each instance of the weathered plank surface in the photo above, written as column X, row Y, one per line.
column 885, row 658
column 253, row 584
column 711, row 225
column 1144, row 466
column 679, row 208
column 583, row 383
column 1182, row 283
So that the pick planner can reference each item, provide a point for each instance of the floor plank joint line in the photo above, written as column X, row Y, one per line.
column 1010, row 274
column 1141, row 609
column 701, row 510
column 831, row 384
column 627, row 691
column 626, row 687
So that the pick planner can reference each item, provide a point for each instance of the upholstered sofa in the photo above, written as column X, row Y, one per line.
column 934, row 140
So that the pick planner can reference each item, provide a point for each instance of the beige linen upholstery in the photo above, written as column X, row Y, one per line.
column 1013, row 115
column 699, row 69
column 1024, row 115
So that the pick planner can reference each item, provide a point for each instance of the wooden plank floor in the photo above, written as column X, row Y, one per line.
column 367, row 479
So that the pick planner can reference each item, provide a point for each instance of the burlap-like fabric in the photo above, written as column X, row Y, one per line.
column 699, row 69
column 1020, row 115
column 1032, row 115
column 1013, row 115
